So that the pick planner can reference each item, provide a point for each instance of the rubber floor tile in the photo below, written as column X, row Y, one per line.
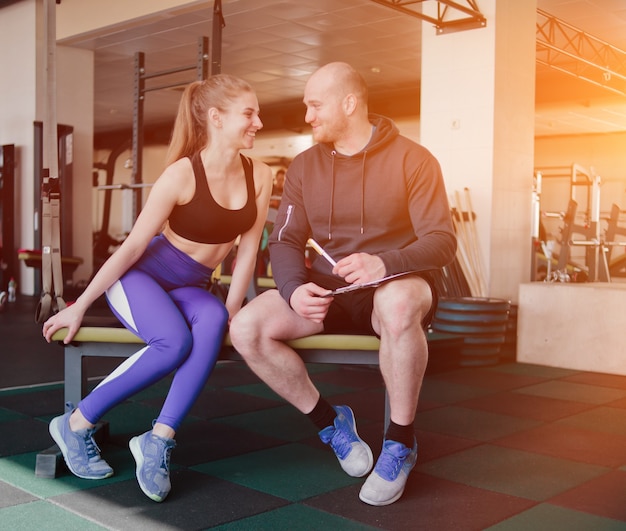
column 590, row 394
column 526, row 406
column 292, row 517
column 493, row 380
column 442, row 392
column 229, row 373
column 512, row 472
column 470, row 423
column 202, row 441
column 44, row 515
column 618, row 403
column 224, row 402
column 435, row 445
column 530, row 369
column 571, row 443
column 293, row 472
column 45, row 402
column 24, row 435
column 356, row 376
column 428, row 504
column 609, row 420
column 197, row 501
column 615, row 381
column 602, row 496
column 284, row 422
column 549, row 517
column 10, row 495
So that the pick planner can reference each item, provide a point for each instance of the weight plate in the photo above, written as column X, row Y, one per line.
column 496, row 339
column 473, row 317
column 473, row 304
column 480, row 351
column 440, row 326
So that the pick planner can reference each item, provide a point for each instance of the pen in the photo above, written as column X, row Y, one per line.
column 320, row 250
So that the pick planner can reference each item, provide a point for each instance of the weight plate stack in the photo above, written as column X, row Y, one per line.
column 482, row 322
column 508, row 353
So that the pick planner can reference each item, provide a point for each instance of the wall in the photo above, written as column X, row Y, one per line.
column 75, row 89
column 18, row 30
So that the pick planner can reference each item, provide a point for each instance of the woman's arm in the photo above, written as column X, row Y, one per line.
column 164, row 195
column 249, row 242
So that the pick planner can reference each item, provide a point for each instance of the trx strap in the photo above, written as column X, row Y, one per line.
column 51, row 270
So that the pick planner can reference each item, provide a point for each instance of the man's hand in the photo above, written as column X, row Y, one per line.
column 360, row 267
column 309, row 302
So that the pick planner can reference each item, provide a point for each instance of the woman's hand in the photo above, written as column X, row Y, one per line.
column 70, row 318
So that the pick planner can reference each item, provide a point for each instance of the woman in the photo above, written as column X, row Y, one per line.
column 208, row 195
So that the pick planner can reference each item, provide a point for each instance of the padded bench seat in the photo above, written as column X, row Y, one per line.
column 96, row 341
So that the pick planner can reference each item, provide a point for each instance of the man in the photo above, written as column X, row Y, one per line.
column 376, row 203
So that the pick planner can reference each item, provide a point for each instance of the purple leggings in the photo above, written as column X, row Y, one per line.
column 162, row 299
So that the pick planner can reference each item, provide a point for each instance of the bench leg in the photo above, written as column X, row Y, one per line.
column 387, row 413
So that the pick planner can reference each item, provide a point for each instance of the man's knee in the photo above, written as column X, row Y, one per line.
column 403, row 303
column 247, row 325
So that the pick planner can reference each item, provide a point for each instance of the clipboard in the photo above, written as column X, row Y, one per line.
column 365, row 285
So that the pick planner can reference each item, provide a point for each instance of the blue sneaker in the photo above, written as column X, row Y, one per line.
column 80, row 451
column 354, row 455
column 386, row 484
column 152, row 455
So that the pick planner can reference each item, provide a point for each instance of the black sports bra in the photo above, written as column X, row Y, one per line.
column 203, row 220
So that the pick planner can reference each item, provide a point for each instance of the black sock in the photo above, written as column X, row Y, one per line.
column 323, row 414
column 401, row 434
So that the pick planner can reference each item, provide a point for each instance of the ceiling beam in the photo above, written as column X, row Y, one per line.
column 447, row 19
column 570, row 50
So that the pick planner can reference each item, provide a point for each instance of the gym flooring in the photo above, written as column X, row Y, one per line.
column 506, row 446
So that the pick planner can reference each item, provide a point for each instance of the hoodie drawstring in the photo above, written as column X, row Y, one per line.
column 332, row 194
column 333, row 153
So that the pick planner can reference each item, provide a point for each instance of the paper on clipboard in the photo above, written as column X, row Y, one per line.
column 370, row 284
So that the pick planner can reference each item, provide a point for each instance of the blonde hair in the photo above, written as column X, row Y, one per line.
column 190, row 132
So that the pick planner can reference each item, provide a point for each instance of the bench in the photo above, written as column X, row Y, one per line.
column 99, row 341
column 117, row 342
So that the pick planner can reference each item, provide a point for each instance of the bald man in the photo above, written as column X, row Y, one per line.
column 375, row 201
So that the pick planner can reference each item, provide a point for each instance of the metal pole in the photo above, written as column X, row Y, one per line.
column 216, row 40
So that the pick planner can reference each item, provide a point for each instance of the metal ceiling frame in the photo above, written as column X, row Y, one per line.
column 447, row 20
column 572, row 51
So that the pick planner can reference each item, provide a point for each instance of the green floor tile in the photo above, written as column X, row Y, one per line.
column 589, row 394
column 294, row 517
column 606, row 419
column 43, row 515
column 19, row 471
column 529, row 369
column 293, row 472
column 7, row 415
column 517, row 473
column 283, row 422
column 553, row 518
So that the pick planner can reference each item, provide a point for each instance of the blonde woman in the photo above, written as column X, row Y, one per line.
column 207, row 197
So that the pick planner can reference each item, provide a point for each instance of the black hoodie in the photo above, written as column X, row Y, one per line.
column 388, row 200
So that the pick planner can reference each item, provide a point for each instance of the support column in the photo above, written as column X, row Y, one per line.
column 477, row 117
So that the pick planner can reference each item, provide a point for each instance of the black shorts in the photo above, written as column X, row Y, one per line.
column 351, row 312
